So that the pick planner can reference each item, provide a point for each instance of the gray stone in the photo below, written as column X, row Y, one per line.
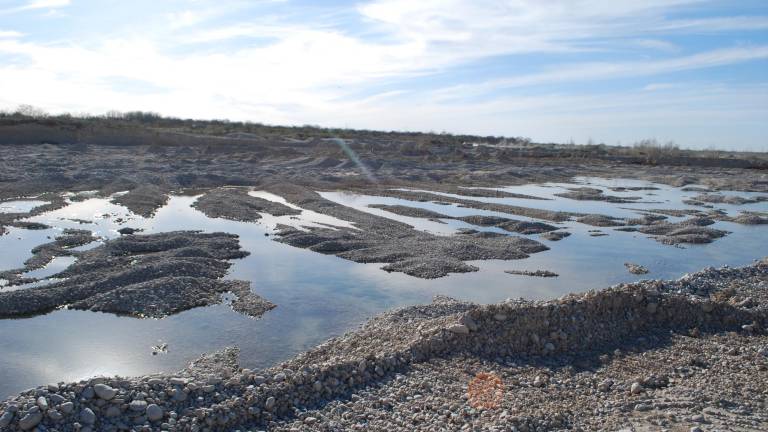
column 42, row 402
column 154, row 412
column 270, row 403
column 32, row 419
column 104, row 391
column 459, row 329
column 87, row 416
column 138, row 406
column 5, row 419
column 67, row 407
column 55, row 415
column 605, row 385
column 88, row 393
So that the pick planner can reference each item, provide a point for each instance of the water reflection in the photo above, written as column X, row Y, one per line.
column 320, row 296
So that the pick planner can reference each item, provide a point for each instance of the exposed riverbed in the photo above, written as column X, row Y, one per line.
column 319, row 296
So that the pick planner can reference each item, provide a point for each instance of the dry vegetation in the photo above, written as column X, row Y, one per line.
column 29, row 125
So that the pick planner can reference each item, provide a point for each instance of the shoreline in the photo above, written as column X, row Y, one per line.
column 378, row 370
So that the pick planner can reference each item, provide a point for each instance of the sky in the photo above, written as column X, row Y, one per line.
column 613, row 71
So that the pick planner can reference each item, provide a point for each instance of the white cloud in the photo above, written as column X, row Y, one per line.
column 46, row 4
column 35, row 5
column 10, row 34
column 304, row 72
column 608, row 70
column 657, row 44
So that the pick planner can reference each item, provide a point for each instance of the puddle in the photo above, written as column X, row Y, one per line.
column 321, row 296
column 21, row 206
column 56, row 265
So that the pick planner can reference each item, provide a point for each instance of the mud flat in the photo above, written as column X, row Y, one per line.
column 654, row 354
column 143, row 276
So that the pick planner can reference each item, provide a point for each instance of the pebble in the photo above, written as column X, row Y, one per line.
column 88, row 393
column 67, row 407
column 104, row 391
column 417, row 394
column 42, row 403
column 459, row 329
column 154, row 412
column 55, row 415
column 605, row 385
column 270, row 403
column 138, row 406
column 87, row 416
column 5, row 419
column 31, row 419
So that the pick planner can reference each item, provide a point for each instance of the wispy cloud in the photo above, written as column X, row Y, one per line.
column 382, row 63
column 36, row 4
column 10, row 34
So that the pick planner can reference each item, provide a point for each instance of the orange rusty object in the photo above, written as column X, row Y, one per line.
column 485, row 391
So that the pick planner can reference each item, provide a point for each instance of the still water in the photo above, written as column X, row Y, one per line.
column 320, row 296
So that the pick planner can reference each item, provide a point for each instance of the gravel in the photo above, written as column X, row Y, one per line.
column 535, row 273
column 143, row 200
column 144, row 276
column 592, row 194
column 635, row 268
column 643, row 356
column 402, row 248
column 236, row 204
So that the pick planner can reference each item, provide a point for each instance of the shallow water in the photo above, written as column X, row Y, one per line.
column 321, row 296
column 22, row 206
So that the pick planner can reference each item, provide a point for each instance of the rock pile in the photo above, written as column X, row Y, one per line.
column 615, row 352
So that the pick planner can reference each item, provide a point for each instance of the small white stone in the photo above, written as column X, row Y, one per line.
column 270, row 403
column 459, row 329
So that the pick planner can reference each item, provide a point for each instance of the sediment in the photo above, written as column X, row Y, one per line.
column 534, row 273
column 402, row 248
column 144, row 276
column 592, row 194
column 143, row 200
column 647, row 355
column 236, row 204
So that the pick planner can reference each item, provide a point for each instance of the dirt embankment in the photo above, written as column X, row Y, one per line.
column 648, row 355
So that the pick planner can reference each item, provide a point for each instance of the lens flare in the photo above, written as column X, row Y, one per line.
column 356, row 160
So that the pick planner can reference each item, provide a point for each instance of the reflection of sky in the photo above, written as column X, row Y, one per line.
column 20, row 206
column 318, row 296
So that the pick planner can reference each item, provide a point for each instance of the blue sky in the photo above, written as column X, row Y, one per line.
column 692, row 71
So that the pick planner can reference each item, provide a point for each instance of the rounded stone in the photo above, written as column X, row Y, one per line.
column 154, row 412
column 104, row 391
column 87, row 416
